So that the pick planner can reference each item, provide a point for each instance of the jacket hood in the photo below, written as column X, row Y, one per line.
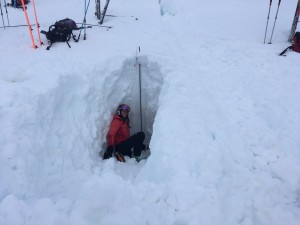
column 122, row 119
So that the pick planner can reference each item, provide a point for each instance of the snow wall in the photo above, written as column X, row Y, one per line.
column 72, row 123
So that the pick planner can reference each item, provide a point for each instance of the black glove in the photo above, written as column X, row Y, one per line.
column 109, row 151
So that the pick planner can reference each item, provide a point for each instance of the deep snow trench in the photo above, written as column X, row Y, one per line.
column 122, row 86
column 74, row 118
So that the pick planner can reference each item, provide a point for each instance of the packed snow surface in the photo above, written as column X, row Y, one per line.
column 220, row 111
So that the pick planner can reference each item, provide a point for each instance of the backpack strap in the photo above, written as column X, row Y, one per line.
column 284, row 51
column 68, row 43
column 48, row 48
column 74, row 37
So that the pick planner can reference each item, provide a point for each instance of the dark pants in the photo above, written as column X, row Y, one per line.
column 135, row 141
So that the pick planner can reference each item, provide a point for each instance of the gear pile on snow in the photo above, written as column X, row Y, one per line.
column 61, row 31
column 19, row 2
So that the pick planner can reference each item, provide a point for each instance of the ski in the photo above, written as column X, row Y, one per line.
column 104, row 11
column 295, row 22
column 28, row 23
column 37, row 23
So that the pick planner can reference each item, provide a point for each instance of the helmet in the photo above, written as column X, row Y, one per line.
column 122, row 107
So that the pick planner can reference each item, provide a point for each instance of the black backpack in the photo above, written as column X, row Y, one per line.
column 61, row 31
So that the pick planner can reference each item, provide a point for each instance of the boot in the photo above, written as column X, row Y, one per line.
column 119, row 157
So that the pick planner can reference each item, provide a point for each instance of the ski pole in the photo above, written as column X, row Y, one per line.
column 96, row 3
column 140, row 85
column 37, row 23
column 275, row 21
column 94, row 25
column 23, row 25
column 140, row 81
column 267, row 21
column 98, row 9
column 136, row 18
column 5, row 5
column 2, row 15
column 104, row 11
column 83, row 20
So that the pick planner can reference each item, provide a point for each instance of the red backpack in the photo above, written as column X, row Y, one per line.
column 19, row 2
column 295, row 44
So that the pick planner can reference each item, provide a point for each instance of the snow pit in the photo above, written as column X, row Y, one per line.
column 73, row 120
column 123, row 86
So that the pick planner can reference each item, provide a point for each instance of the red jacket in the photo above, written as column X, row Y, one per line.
column 118, row 131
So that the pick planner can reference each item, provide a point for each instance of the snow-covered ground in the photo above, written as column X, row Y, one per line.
column 221, row 109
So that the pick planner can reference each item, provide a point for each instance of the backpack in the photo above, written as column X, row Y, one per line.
column 19, row 2
column 61, row 31
column 295, row 44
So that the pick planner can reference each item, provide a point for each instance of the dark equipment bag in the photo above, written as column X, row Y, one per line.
column 19, row 2
column 295, row 44
column 61, row 31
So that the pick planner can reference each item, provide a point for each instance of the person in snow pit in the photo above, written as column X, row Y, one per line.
column 120, row 142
